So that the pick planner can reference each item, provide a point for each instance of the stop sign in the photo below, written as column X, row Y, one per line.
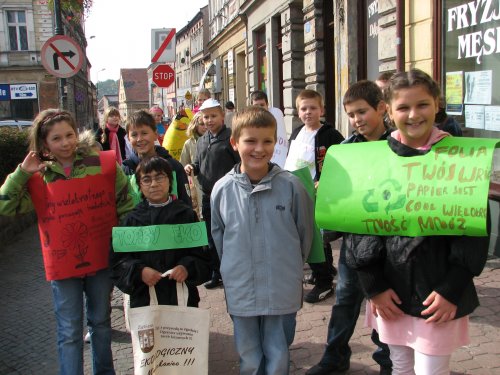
column 163, row 75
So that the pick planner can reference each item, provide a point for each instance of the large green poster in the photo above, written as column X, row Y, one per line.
column 366, row 188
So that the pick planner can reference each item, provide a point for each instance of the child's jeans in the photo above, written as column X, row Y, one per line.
column 406, row 361
column 263, row 342
column 68, row 305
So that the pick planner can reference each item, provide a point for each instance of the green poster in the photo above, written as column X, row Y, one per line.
column 366, row 188
column 159, row 237
column 317, row 254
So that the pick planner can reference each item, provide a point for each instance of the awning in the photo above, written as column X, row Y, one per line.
column 211, row 70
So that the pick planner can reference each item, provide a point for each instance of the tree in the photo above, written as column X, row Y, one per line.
column 108, row 87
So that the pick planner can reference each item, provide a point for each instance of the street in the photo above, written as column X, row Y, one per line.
column 27, row 324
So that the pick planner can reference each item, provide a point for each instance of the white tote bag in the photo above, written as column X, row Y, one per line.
column 169, row 339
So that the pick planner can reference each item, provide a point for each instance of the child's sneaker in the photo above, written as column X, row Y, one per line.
column 318, row 293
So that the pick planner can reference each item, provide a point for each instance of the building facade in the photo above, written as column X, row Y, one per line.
column 26, row 87
column 183, row 66
column 132, row 91
column 199, row 39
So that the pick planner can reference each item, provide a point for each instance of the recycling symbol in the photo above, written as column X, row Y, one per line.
column 386, row 196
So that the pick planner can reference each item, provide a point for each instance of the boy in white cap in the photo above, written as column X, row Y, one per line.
column 214, row 158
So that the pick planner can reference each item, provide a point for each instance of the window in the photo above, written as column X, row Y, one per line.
column 260, row 36
column 18, row 35
column 471, row 65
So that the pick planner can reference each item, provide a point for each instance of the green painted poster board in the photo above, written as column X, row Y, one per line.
column 159, row 237
column 366, row 188
column 317, row 254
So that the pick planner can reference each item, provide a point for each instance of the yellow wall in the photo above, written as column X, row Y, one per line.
column 419, row 27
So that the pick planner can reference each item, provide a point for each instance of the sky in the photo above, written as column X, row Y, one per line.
column 122, row 31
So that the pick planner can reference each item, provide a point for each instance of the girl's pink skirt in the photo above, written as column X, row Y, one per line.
column 427, row 338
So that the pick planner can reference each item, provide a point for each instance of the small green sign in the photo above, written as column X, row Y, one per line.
column 159, row 237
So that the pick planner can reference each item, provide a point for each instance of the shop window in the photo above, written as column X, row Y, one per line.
column 24, row 109
column 471, row 64
column 18, row 35
column 260, row 36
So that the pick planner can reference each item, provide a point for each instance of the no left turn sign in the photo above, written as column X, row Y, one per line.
column 62, row 56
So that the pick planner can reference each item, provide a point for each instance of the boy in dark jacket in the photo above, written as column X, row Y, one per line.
column 365, row 108
column 307, row 147
column 214, row 158
column 141, row 132
column 134, row 272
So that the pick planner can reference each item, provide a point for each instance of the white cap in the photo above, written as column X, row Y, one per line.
column 210, row 103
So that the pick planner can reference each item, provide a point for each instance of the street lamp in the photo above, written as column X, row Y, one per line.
column 97, row 83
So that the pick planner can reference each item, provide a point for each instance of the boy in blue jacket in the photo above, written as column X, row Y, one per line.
column 262, row 226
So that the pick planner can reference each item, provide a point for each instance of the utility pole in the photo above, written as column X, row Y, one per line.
column 58, row 30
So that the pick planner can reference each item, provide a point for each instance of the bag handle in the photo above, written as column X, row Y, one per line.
column 182, row 295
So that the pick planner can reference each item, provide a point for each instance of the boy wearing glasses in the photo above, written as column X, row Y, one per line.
column 134, row 272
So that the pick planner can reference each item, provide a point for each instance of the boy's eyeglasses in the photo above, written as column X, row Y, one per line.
column 159, row 179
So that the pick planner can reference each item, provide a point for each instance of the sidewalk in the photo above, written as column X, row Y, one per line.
column 27, row 325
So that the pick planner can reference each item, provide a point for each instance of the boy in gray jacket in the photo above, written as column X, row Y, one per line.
column 262, row 226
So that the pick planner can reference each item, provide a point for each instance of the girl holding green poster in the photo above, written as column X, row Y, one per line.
column 420, row 289
column 135, row 272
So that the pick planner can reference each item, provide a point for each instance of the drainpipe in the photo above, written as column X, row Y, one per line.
column 400, row 35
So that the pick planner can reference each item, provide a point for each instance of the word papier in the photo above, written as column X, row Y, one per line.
column 366, row 188
column 159, row 237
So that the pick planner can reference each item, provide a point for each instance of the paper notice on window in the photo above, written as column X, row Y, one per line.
column 454, row 93
column 492, row 118
column 474, row 116
column 478, row 87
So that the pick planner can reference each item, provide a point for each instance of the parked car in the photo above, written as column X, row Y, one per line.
column 21, row 124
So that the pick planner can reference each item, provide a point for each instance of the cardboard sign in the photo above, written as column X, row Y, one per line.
column 75, row 218
column 366, row 188
column 159, row 237
column 317, row 254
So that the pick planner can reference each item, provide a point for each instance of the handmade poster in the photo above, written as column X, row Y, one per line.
column 75, row 218
column 159, row 237
column 367, row 189
column 281, row 147
column 299, row 156
column 175, row 137
column 317, row 254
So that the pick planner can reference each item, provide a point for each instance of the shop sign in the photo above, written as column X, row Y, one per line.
column 23, row 91
column 4, row 92
column 230, row 62
column 471, row 62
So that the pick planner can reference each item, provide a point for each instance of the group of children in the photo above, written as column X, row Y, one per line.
column 259, row 220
